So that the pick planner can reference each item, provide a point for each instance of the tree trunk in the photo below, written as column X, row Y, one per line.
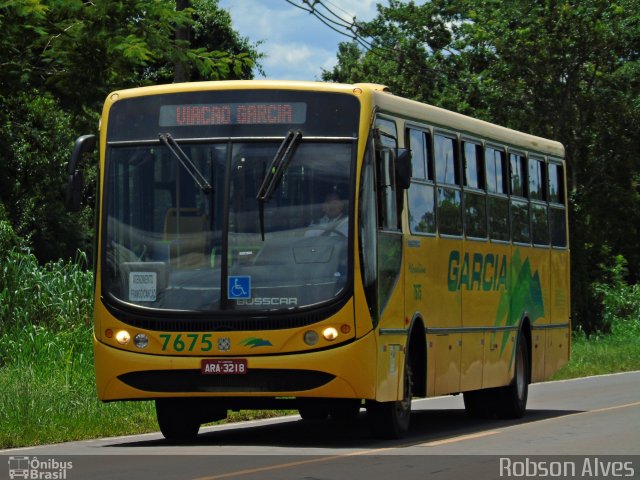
column 181, row 71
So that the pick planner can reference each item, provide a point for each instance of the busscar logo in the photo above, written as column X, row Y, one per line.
column 33, row 468
column 269, row 301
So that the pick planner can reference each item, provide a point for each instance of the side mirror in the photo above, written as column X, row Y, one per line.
column 403, row 168
column 74, row 191
column 84, row 144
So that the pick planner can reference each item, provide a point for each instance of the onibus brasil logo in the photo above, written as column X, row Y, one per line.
column 33, row 468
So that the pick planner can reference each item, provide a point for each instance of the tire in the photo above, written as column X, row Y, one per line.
column 313, row 414
column 513, row 398
column 391, row 419
column 477, row 404
column 345, row 411
column 504, row 402
column 178, row 420
column 313, row 409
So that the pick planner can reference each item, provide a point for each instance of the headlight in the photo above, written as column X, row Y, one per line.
column 141, row 340
column 123, row 337
column 310, row 338
column 330, row 334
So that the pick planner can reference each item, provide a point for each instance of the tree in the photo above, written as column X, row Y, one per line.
column 58, row 62
column 36, row 138
column 559, row 69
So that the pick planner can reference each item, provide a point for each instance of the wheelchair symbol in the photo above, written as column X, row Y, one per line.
column 239, row 287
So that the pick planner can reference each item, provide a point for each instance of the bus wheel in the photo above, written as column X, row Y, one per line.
column 345, row 410
column 513, row 398
column 391, row 419
column 312, row 413
column 503, row 402
column 178, row 419
column 477, row 403
column 313, row 409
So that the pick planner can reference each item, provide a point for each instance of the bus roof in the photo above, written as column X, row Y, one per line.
column 385, row 101
column 448, row 120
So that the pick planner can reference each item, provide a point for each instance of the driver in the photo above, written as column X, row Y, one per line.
column 333, row 219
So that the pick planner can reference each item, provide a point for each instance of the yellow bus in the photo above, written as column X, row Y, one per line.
column 321, row 247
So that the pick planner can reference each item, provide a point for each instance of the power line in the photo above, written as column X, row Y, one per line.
column 352, row 31
column 332, row 24
column 341, row 9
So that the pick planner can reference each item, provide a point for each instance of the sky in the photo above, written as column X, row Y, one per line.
column 297, row 45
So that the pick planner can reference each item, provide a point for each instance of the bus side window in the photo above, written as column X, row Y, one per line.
column 386, row 148
column 497, row 200
column 520, row 219
column 422, row 207
column 556, row 187
column 446, row 160
column 538, row 197
column 517, row 174
column 557, row 214
column 449, row 195
column 473, row 171
column 475, row 207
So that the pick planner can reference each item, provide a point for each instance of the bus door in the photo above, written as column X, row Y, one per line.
column 390, row 292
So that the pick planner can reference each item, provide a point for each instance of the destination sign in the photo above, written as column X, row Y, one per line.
column 260, row 113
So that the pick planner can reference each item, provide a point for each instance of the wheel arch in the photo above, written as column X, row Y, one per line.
column 417, row 350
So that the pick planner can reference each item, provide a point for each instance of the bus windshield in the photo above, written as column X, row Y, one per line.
column 169, row 244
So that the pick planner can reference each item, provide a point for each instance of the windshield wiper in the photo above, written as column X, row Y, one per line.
column 186, row 162
column 273, row 176
column 279, row 164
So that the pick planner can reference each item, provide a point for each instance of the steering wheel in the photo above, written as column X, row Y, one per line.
column 333, row 228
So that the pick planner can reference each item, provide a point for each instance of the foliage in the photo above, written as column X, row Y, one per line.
column 563, row 70
column 599, row 353
column 125, row 43
column 36, row 140
column 621, row 301
column 58, row 62
column 616, row 347
column 56, row 296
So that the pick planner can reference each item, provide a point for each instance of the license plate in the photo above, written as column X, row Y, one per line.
column 232, row 366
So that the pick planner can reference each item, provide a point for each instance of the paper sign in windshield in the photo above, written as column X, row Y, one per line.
column 143, row 286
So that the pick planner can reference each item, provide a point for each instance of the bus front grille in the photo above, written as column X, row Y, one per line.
column 256, row 380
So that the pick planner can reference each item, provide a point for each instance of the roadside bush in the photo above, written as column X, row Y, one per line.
column 45, row 310
column 620, row 301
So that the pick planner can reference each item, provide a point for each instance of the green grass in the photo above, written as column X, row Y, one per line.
column 47, row 390
column 598, row 354
column 55, row 401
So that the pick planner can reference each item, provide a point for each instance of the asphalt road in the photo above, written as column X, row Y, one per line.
column 583, row 428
